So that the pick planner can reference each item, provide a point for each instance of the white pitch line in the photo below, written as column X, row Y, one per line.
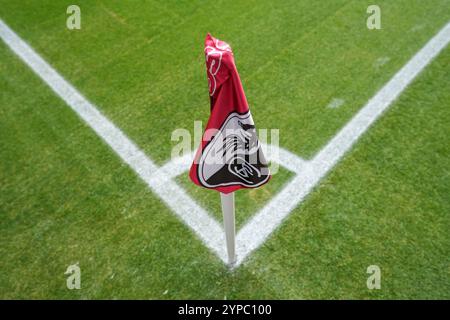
column 287, row 159
column 194, row 216
column 260, row 226
column 365, row 117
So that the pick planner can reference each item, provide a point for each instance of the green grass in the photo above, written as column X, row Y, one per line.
column 67, row 198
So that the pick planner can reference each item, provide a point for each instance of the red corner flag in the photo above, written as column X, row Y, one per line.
column 230, row 155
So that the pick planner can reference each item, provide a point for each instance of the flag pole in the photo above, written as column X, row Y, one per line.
column 227, row 201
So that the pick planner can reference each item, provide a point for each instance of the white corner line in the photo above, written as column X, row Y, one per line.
column 261, row 225
column 175, row 197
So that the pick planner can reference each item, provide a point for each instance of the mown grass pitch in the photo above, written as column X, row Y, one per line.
column 67, row 198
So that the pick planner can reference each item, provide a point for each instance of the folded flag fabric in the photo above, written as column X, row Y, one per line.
column 230, row 155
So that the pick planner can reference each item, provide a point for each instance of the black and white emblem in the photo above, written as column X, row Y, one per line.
column 233, row 156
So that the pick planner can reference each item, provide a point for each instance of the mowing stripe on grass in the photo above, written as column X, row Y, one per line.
column 175, row 197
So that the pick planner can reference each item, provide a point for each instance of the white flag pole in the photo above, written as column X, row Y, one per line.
column 228, row 221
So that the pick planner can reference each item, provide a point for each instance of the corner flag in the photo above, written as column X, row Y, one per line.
column 230, row 155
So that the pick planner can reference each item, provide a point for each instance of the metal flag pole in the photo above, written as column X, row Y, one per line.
column 227, row 201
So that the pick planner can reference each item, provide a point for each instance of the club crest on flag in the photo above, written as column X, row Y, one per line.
column 230, row 156
column 233, row 156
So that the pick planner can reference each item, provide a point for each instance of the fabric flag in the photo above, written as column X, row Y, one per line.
column 230, row 156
